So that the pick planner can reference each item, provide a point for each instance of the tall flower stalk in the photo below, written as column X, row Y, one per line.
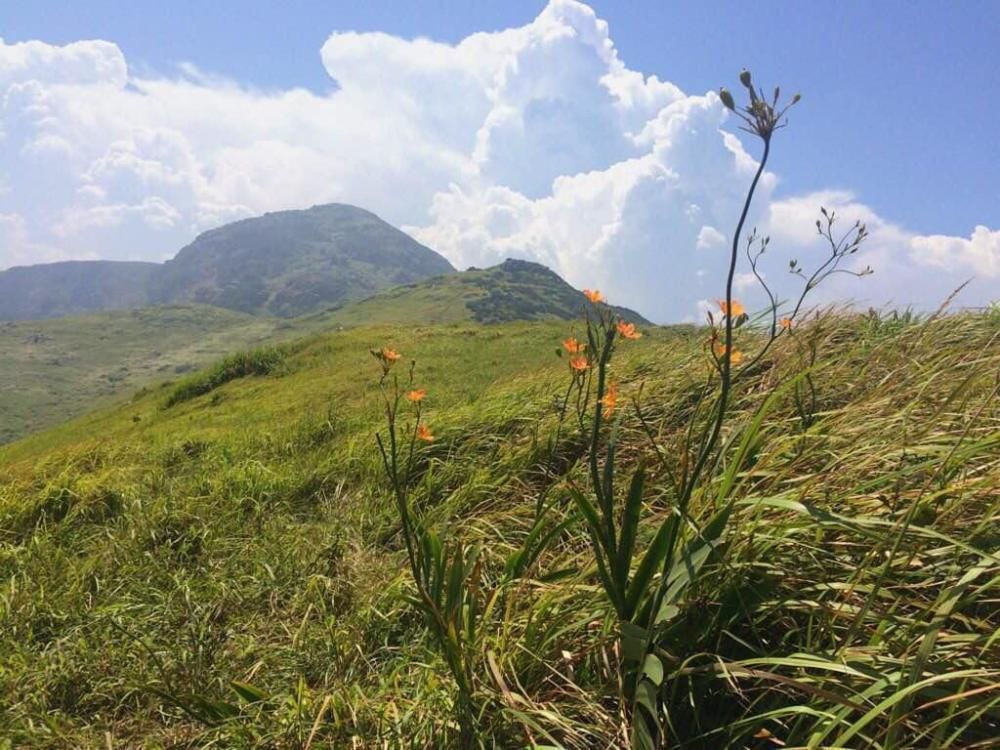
column 646, row 588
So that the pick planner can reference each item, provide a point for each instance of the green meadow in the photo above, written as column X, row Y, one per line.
column 216, row 561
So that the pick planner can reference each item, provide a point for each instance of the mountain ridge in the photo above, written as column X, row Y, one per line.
column 282, row 263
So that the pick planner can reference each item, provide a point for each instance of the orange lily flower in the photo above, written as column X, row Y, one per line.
column 573, row 346
column 627, row 330
column 734, row 310
column 594, row 295
column 390, row 355
column 424, row 433
column 610, row 400
column 417, row 395
column 785, row 323
column 579, row 363
column 735, row 358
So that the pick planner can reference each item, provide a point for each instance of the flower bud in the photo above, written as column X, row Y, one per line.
column 727, row 98
column 745, row 77
column 796, row 98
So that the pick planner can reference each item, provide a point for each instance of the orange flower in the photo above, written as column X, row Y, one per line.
column 417, row 395
column 424, row 433
column 734, row 310
column 594, row 295
column 627, row 330
column 573, row 346
column 735, row 358
column 390, row 355
column 610, row 400
column 579, row 363
column 785, row 323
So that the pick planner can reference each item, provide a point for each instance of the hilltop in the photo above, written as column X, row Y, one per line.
column 513, row 290
column 283, row 264
column 219, row 561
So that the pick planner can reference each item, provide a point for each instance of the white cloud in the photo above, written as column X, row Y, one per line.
column 710, row 237
column 980, row 254
column 535, row 142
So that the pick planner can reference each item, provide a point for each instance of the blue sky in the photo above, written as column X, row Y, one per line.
column 188, row 118
column 901, row 98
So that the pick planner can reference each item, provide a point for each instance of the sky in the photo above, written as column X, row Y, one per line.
column 584, row 136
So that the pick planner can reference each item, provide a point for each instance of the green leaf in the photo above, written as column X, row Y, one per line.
column 630, row 525
column 590, row 516
column 248, row 692
column 648, row 566
column 652, row 669
column 634, row 639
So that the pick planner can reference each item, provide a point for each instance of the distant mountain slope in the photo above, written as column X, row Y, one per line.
column 52, row 370
column 513, row 290
column 284, row 264
column 52, row 290
column 294, row 262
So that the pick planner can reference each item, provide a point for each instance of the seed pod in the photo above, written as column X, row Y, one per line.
column 745, row 77
column 727, row 98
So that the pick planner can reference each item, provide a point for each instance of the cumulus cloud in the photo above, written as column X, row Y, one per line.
column 535, row 142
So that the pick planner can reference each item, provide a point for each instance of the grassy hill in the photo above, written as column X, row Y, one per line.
column 513, row 290
column 52, row 370
column 228, row 570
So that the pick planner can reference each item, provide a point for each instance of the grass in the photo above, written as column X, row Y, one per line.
column 260, row 361
column 229, row 572
column 52, row 370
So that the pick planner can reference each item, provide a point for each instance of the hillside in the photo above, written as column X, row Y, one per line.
column 513, row 290
column 281, row 264
column 51, row 370
column 228, row 570
column 53, row 290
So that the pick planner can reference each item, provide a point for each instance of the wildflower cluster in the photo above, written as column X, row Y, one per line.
column 603, row 327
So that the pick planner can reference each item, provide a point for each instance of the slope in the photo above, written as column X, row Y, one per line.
column 228, row 570
column 53, row 290
column 52, row 370
column 513, row 290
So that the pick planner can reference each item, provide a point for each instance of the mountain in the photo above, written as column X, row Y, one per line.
column 284, row 264
column 292, row 262
column 53, row 290
column 513, row 290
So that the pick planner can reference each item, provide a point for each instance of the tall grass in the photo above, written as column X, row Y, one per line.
column 259, row 361
column 852, row 602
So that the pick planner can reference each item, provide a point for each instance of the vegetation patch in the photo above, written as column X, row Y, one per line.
column 261, row 361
